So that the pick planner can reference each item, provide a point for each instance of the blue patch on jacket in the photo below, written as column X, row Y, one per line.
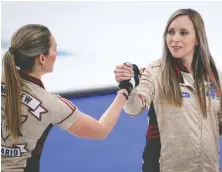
column 186, row 95
column 213, row 93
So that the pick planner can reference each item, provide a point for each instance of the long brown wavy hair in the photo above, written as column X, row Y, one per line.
column 203, row 65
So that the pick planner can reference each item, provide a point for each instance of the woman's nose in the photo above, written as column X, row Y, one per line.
column 176, row 38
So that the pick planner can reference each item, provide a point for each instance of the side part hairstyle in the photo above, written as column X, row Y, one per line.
column 203, row 65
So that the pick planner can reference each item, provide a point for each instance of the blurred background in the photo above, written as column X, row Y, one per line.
column 92, row 38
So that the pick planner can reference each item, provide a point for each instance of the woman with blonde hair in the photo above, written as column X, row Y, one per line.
column 182, row 91
column 28, row 111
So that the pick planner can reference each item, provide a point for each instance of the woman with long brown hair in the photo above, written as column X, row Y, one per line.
column 182, row 91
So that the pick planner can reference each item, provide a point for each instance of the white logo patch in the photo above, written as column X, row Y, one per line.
column 14, row 151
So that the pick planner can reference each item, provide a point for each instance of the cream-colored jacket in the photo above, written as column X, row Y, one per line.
column 189, row 142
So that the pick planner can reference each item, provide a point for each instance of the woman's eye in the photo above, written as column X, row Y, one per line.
column 171, row 32
column 184, row 33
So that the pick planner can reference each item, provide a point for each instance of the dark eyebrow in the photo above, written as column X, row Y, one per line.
column 170, row 28
column 185, row 29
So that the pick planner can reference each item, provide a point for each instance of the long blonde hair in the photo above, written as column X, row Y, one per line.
column 27, row 43
column 203, row 65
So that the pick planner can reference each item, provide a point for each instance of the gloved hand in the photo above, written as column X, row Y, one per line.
column 131, row 83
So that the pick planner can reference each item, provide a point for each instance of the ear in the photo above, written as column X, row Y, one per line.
column 41, row 59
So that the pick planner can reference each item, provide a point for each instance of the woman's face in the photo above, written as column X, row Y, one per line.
column 181, row 37
column 51, row 57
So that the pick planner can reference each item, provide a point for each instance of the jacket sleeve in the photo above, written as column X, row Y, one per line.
column 220, row 110
column 141, row 96
column 65, row 112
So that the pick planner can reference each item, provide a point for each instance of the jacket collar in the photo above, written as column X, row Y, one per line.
column 30, row 78
column 180, row 69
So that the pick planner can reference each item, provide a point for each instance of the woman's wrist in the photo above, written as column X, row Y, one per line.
column 124, row 92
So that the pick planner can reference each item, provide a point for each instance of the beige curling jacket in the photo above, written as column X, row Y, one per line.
column 189, row 142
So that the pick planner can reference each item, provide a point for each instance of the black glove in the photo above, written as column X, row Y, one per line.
column 131, row 83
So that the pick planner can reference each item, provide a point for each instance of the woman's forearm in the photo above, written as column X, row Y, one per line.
column 110, row 117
